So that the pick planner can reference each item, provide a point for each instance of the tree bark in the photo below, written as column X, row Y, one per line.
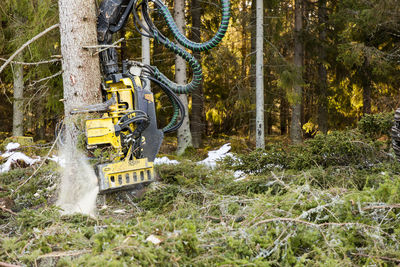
column 197, row 116
column 322, row 73
column 184, row 135
column 18, row 104
column 295, row 127
column 260, row 141
column 81, row 70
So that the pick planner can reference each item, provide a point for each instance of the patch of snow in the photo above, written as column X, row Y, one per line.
column 13, row 158
column 12, row 146
column 7, row 154
column 215, row 155
column 165, row 160
column 239, row 175
column 59, row 160
column 153, row 239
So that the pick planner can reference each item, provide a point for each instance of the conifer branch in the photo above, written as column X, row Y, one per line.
column 19, row 50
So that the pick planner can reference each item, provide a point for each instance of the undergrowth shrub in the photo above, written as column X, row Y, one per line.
column 160, row 199
column 186, row 173
column 257, row 185
column 376, row 125
column 339, row 148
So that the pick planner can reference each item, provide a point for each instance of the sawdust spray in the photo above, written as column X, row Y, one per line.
column 78, row 189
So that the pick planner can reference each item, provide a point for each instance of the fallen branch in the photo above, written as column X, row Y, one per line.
column 57, row 254
column 26, row 44
column 33, row 63
column 280, row 219
column 7, row 210
column 377, row 257
column 4, row 264
column 394, row 206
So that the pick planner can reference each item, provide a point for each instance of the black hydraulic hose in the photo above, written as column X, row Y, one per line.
column 178, row 107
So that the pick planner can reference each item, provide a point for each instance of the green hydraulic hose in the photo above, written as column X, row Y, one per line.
column 194, row 64
column 185, row 42
column 197, row 47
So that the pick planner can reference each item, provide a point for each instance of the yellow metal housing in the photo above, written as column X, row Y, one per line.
column 125, row 171
column 123, row 174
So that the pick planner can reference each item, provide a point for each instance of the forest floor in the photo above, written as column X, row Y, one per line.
column 334, row 201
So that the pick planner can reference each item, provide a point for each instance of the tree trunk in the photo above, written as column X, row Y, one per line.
column 322, row 73
column 18, row 105
column 146, row 56
column 295, row 127
column 81, row 70
column 367, row 87
column 283, row 115
column 197, row 116
column 184, row 135
column 260, row 141
column 252, row 125
column 366, row 96
column 81, row 82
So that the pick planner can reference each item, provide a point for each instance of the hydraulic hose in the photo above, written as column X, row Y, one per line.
column 197, row 47
column 194, row 64
column 177, row 107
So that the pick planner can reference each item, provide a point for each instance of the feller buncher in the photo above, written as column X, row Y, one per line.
column 127, row 119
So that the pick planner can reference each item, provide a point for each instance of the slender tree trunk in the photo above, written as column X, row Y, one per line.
column 18, row 105
column 146, row 56
column 260, row 141
column 197, row 116
column 322, row 73
column 252, row 125
column 295, row 128
column 367, row 87
column 184, row 135
column 81, row 70
column 283, row 115
column 366, row 96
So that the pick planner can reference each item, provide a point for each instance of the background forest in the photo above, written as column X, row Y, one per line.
column 307, row 199
column 350, row 52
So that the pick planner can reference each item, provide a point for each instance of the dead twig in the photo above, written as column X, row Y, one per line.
column 33, row 63
column 19, row 50
column 103, row 47
column 41, row 164
column 45, row 78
